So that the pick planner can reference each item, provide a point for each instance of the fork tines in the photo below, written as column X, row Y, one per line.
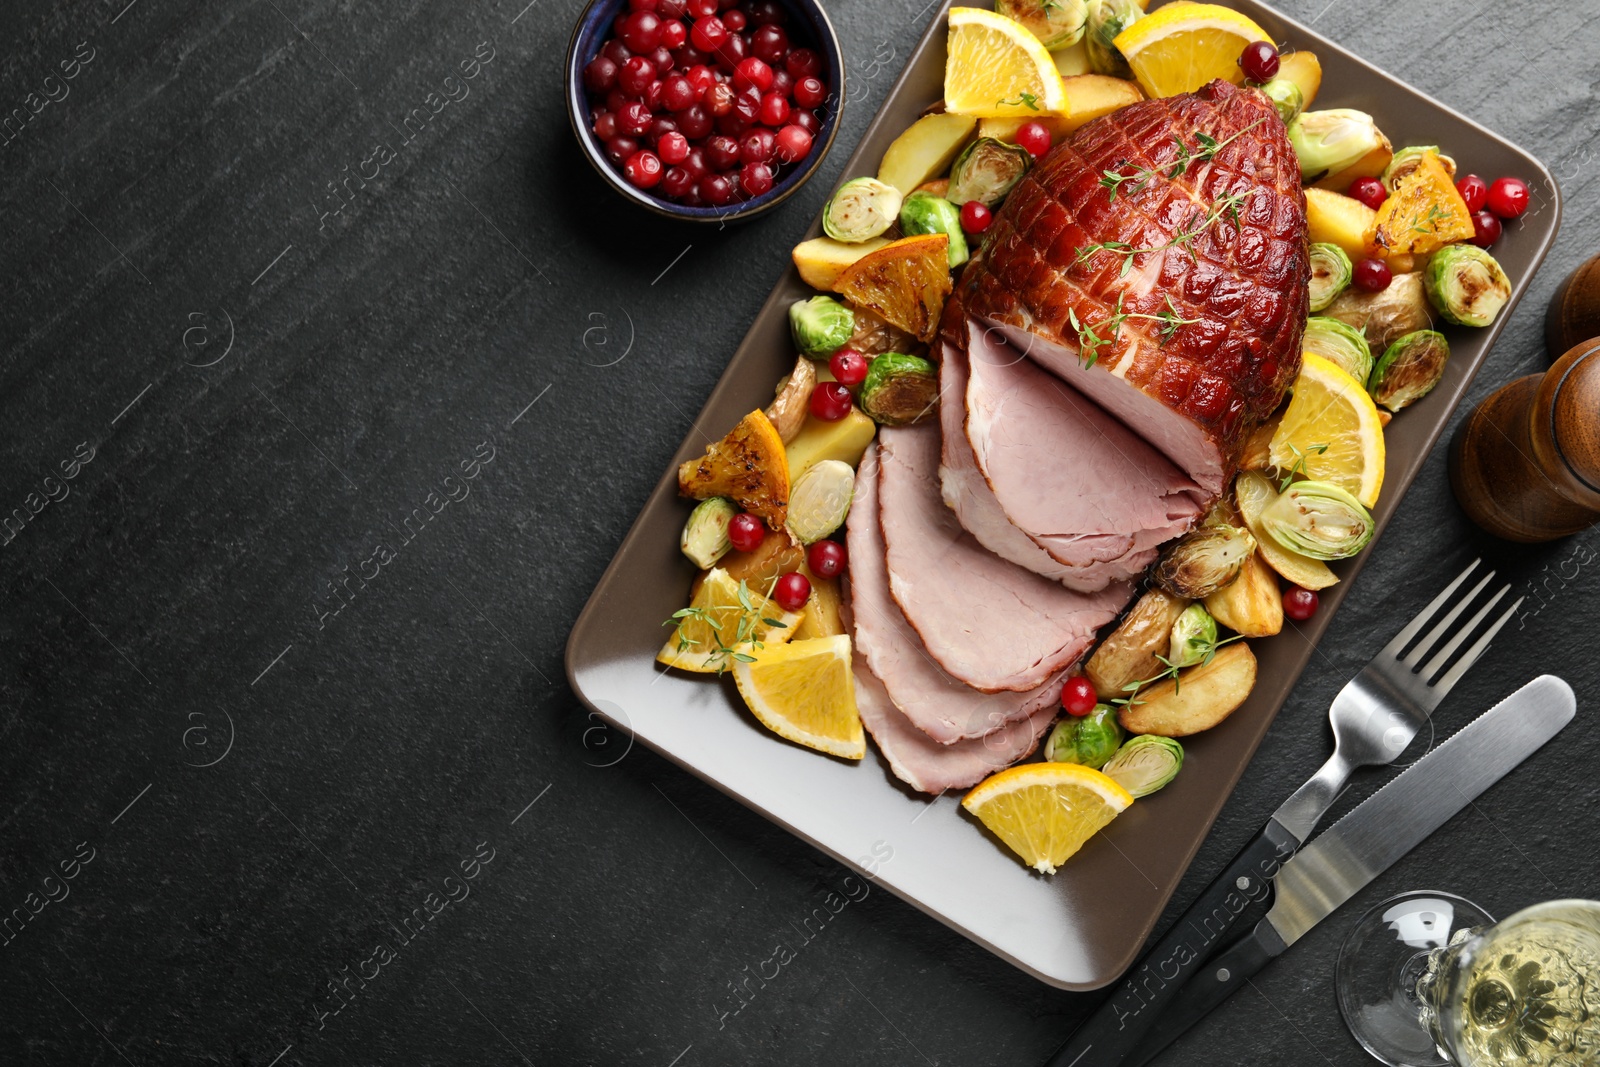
column 1446, row 626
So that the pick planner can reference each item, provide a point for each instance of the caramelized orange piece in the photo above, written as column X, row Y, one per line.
column 1424, row 213
column 748, row 466
column 905, row 282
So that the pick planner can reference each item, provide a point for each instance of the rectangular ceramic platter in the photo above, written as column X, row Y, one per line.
column 1083, row 927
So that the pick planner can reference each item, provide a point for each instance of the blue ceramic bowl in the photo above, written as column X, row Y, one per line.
column 806, row 20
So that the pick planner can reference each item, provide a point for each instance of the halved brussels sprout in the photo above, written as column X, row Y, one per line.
column 1145, row 764
column 899, row 389
column 1406, row 160
column 1329, row 141
column 705, row 535
column 820, row 500
column 1410, row 369
column 1466, row 284
column 1318, row 519
column 1286, row 97
column 926, row 213
column 861, row 210
column 820, row 326
column 1340, row 343
column 1088, row 741
column 986, row 170
column 1107, row 18
column 1330, row 273
column 1194, row 637
column 1057, row 23
column 1203, row 560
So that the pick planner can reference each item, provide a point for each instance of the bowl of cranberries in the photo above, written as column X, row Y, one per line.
column 708, row 110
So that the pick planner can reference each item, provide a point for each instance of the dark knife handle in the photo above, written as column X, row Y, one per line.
column 1217, row 981
column 1121, row 1022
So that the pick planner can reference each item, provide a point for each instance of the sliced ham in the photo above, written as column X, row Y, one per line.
column 925, row 764
column 933, row 702
column 1080, row 484
column 987, row 622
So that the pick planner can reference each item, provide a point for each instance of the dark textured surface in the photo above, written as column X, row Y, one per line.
column 178, row 594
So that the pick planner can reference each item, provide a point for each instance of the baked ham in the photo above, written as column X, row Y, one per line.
column 1204, row 252
column 986, row 622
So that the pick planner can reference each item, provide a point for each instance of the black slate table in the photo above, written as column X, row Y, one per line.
column 242, row 746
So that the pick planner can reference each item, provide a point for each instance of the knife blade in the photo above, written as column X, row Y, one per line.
column 1366, row 842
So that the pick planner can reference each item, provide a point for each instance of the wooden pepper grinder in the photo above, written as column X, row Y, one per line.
column 1526, row 463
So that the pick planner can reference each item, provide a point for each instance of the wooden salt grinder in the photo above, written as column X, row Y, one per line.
column 1526, row 463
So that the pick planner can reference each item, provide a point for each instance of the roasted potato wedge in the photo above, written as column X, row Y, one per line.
column 925, row 150
column 792, row 402
column 1305, row 70
column 748, row 466
column 823, row 617
column 1199, row 698
column 1129, row 654
column 1339, row 220
column 1250, row 604
column 821, row 260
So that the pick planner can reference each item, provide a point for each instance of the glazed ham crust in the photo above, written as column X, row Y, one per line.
column 1236, row 284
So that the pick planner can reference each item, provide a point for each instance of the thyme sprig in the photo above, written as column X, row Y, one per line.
column 1224, row 205
column 1027, row 100
column 1206, row 150
column 1298, row 469
column 1171, row 670
column 744, row 632
column 1090, row 342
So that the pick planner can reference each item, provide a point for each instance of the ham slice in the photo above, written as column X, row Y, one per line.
column 986, row 622
column 1082, row 486
column 923, row 763
column 931, row 700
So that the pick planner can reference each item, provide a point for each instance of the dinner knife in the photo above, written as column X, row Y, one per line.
column 1363, row 844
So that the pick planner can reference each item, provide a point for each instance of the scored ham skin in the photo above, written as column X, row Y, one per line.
column 985, row 621
column 934, row 702
column 1196, row 394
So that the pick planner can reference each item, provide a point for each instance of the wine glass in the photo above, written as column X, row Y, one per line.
column 1429, row 979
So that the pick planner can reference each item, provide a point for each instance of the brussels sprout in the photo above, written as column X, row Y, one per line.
column 861, row 209
column 820, row 326
column 1286, row 97
column 820, row 500
column 1466, row 284
column 1107, row 18
column 1088, row 741
column 1318, row 519
column 1340, row 343
column 926, row 213
column 1329, row 141
column 1406, row 160
column 1203, row 560
column 1410, row 369
column 986, row 170
column 1330, row 274
column 1057, row 23
column 1145, row 764
column 899, row 389
column 1385, row 315
column 705, row 535
column 1194, row 637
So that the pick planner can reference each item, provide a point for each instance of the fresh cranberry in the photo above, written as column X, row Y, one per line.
column 662, row 127
column 701, row 9
column 1034, row 137
column 747, row 105
column 619, row 149
column 688, row 57
column 774, row 110
column 848, row 367
column 1373, row 275
column 1078, row 696
column 1486, row 228
column 730, row 52
column 752, row 72
column 809, row 91
column 1300, row 604
column 616, row 51
column 672, row 9
column 830, row 401
column 802, row 63
column 641, row 31
column 794, row 144
column 643, row 169
column 1474, row 190
column 673, row 148
column 708, row 33
column 1259, row 61
column 1508, row 197
column 717, row 190
column 791, row 591
column 758, row 146
column 634, row 119
column 676, row 183
column 652, row 95
column 615, row 99
column 975, row 218
column 766, row 13
column 600, row 74
column 701, row 77
column 643, row 5
column 825, row 558
column 782, row 82
column 806, row 121
column 677, row 94
column 734, row 20
column 636, row 76
column 605, row 125
column 695, row 122
column 695, row 164
column 755, row 178
column 662, row 60
column 674, row 34
column 1370, row 191
column 770, row 42
column 745, row 532
column 719, row 99
column 721, row 152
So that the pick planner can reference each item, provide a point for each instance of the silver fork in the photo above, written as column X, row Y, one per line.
column 1375, row 716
